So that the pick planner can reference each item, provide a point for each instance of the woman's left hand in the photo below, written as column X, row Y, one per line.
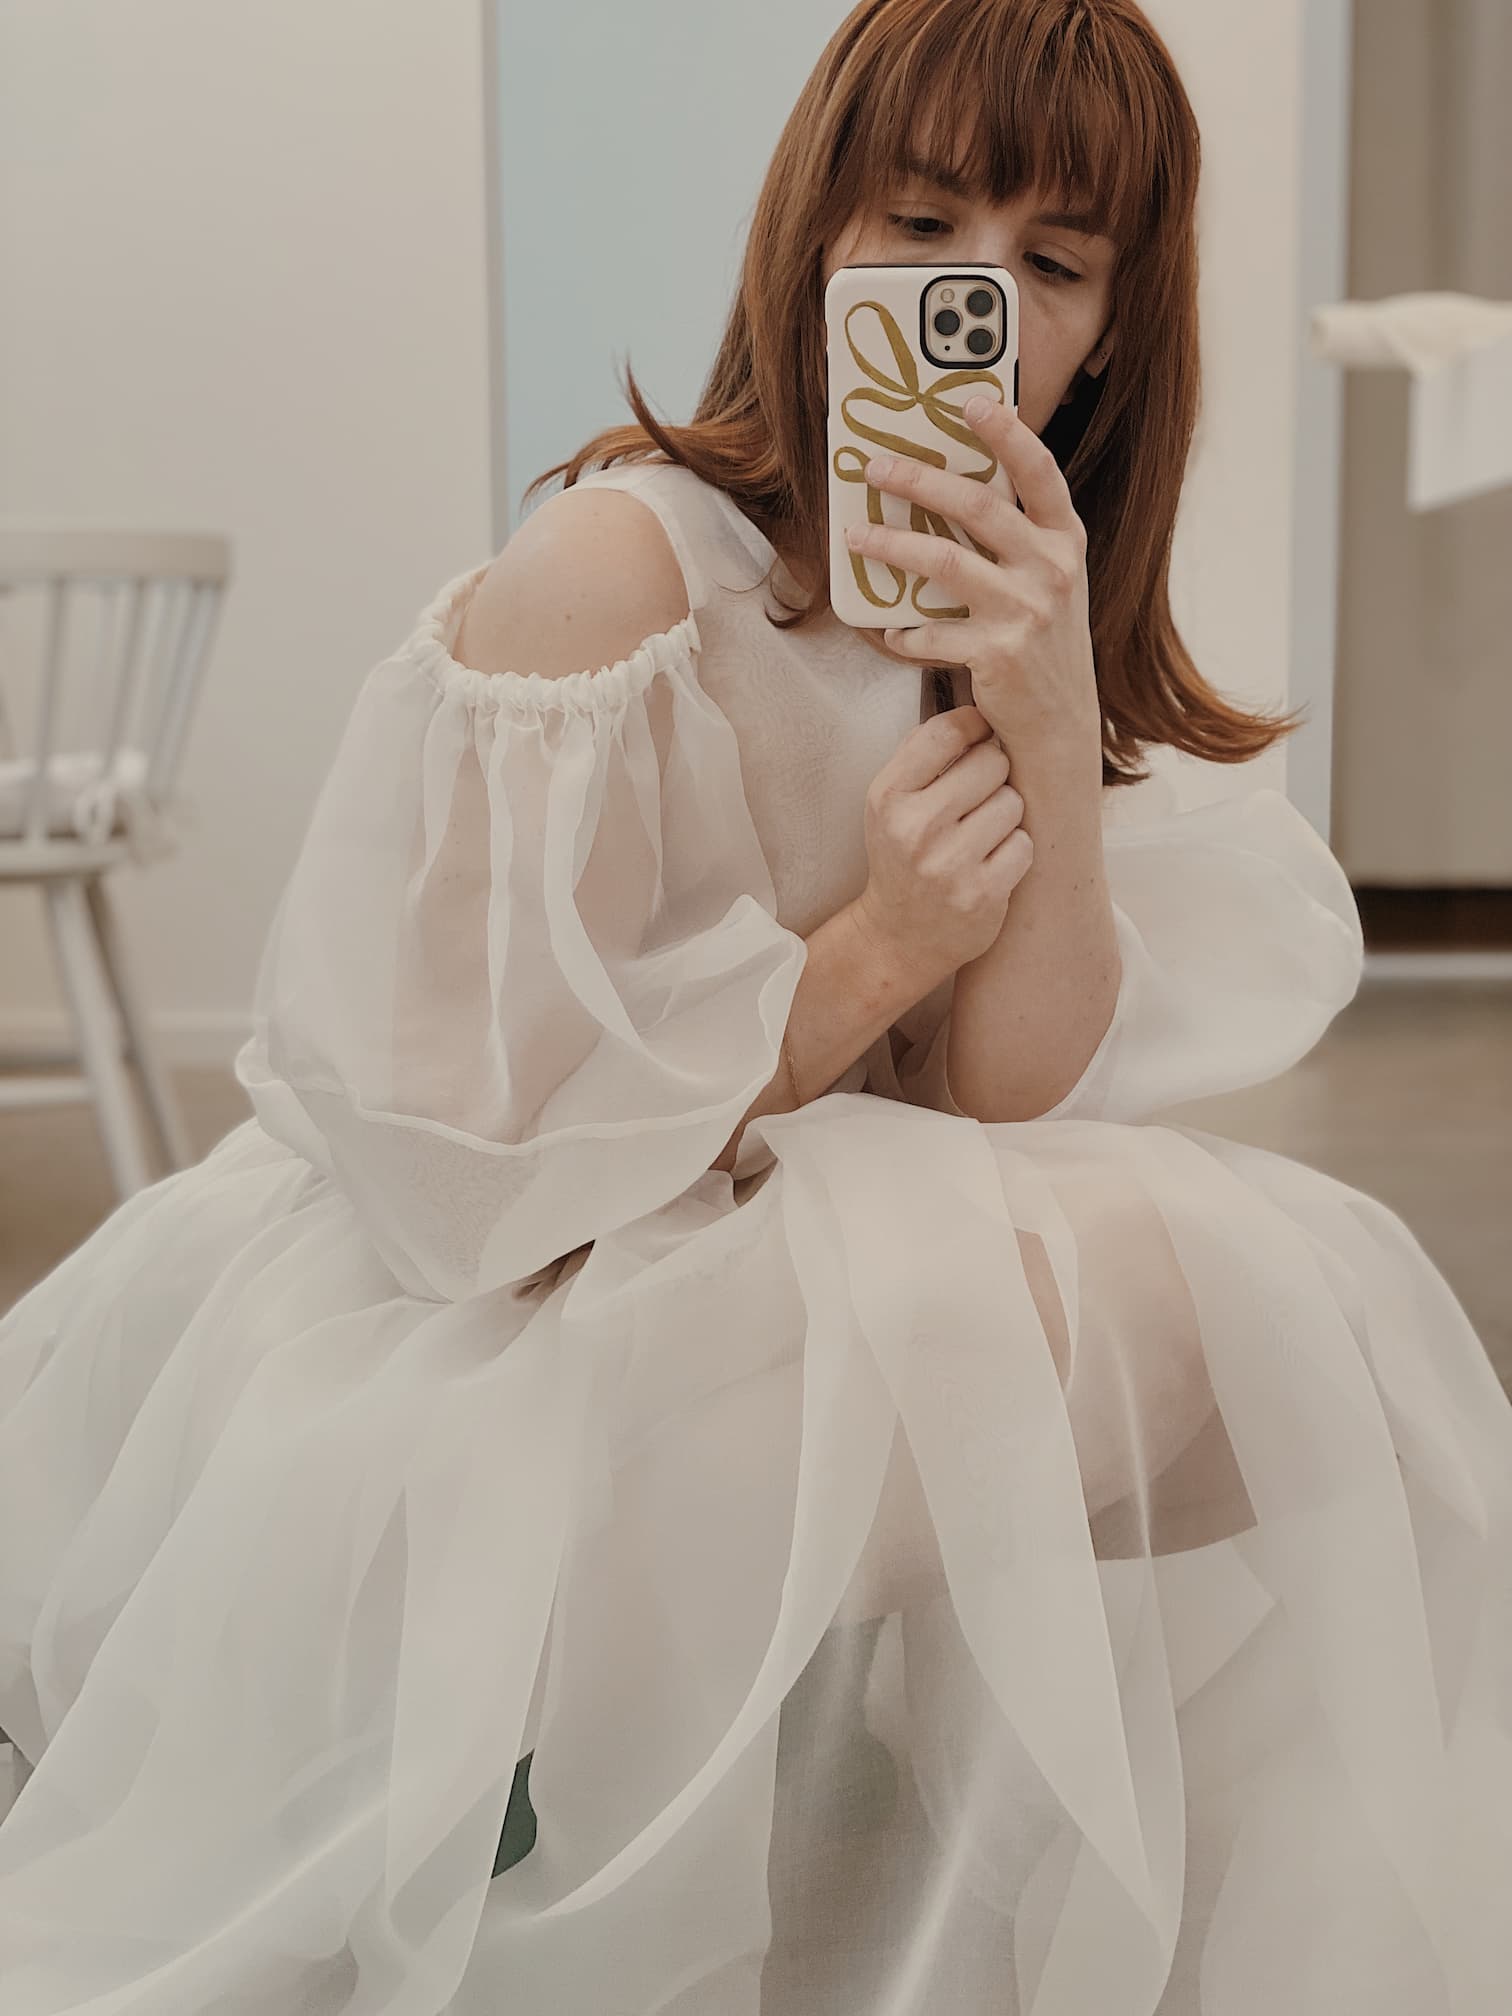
column 1027, row 641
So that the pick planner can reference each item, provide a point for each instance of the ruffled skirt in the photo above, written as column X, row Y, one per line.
column 1054, row 1569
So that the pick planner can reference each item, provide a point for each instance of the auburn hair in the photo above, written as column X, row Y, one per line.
column 1077, row 98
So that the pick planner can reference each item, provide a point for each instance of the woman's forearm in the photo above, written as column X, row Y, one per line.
column 1027, row 1015
column 852, row 989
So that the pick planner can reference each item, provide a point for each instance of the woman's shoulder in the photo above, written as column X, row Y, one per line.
column 587, row 577
column 716, row 544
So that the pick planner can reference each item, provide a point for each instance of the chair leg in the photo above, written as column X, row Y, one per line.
column 84, row 979
column 162, row 1103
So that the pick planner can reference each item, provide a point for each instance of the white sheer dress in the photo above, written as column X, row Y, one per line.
column 461, row 1553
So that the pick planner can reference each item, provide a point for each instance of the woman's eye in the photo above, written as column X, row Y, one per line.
column 908, row 224
column 1051, row 268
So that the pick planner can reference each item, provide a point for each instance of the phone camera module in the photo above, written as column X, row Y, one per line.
column 962, row 316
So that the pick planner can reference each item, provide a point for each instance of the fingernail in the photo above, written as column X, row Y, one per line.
column 977, row 407
column 880, row 468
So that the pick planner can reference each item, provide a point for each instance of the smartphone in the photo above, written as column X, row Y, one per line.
column 907, row 346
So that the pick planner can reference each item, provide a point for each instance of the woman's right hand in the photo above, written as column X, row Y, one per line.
column 945, row 844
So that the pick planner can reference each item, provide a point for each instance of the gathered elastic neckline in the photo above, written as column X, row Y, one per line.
column 588, row 691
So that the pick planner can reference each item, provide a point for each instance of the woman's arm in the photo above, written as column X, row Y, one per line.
column 851, row 991
column 1028, row 1014
column 540, row 606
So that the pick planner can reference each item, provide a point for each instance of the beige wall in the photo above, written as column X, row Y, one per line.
column 244, row 260
column 1424, row 719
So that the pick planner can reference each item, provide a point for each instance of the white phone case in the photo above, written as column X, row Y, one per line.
column 887, row 396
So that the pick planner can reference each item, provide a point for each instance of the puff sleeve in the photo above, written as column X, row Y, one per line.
column 527, row 975
column 1240, row 941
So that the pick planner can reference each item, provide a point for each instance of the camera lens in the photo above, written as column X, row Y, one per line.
column 980, row 302
column 979, row 342
column 947, row 322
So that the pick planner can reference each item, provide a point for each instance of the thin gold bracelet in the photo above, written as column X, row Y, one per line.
column 787, row 1058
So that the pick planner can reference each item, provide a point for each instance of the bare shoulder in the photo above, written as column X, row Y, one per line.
column 586, row 579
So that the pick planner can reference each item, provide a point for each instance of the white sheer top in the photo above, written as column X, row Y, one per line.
column 536, row 956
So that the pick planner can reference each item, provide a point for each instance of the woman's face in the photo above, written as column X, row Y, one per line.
column 1064, row 272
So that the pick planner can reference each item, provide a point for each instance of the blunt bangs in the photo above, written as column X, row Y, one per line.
column 1016, row 99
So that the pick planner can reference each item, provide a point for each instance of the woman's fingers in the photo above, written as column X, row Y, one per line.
column 1035, row 472
column 992, row 519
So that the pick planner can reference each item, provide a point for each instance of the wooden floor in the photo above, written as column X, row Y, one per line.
column 1409, row 1097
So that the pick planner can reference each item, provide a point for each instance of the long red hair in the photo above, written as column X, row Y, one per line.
column 1079, row 98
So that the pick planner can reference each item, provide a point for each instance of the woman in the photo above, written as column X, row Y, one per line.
column 703, row 1452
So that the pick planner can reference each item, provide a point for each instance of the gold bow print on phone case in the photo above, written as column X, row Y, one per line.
column 901, row 395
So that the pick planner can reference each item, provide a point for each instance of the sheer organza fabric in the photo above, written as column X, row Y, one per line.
column 1043, row 1568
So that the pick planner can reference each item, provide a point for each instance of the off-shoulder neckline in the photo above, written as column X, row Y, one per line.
column 761, row 547
column 588, row 691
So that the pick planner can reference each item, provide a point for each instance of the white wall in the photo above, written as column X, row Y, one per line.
column 1255, row 565
column 244, row 260
column 623, row 221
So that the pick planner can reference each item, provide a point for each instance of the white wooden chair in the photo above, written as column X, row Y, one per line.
column 123, row 624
